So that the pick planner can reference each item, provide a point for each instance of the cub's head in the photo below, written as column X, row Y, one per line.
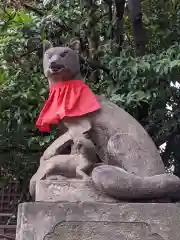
column 85, row 147
column 60, row 63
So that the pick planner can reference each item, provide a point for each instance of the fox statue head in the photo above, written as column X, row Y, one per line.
column 60, row 63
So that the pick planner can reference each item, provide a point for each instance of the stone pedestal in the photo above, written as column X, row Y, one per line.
column 98, row 221
column 71, row 190
column 74, row 210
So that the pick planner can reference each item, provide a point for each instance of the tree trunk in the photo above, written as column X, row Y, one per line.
column 134, row 7
column 119, row 35
column 93, row 37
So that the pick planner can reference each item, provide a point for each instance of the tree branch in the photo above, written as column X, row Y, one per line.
column 94, row 64
column 33, row 9
column 41, row 14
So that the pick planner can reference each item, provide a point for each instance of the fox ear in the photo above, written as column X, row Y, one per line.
column 46, row 45
column 75, row 45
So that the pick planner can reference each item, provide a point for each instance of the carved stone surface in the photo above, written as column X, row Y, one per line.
column 71, row 190
column 100, row 231
column 98, row 221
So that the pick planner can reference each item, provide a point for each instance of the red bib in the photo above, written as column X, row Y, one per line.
column 66, row 99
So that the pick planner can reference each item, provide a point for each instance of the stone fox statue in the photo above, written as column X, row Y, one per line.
column 132, row 168
column 75, row 165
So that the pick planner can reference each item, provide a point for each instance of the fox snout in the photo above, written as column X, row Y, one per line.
column 55, row 65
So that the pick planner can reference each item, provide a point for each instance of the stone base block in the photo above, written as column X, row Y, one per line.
column 71, row 190
column 98, row 221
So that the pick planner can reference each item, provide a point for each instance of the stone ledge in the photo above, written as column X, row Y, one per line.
column 98, row 221
column 71, row 190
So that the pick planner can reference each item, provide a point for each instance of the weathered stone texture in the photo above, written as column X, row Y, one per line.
column 98, row 221
column 70, row 191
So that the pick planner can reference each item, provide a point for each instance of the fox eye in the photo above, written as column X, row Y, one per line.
column 63, row 54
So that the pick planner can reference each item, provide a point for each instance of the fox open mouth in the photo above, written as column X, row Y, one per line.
column 58, row 70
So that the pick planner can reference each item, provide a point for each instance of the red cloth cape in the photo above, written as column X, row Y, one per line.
column 66, row 99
